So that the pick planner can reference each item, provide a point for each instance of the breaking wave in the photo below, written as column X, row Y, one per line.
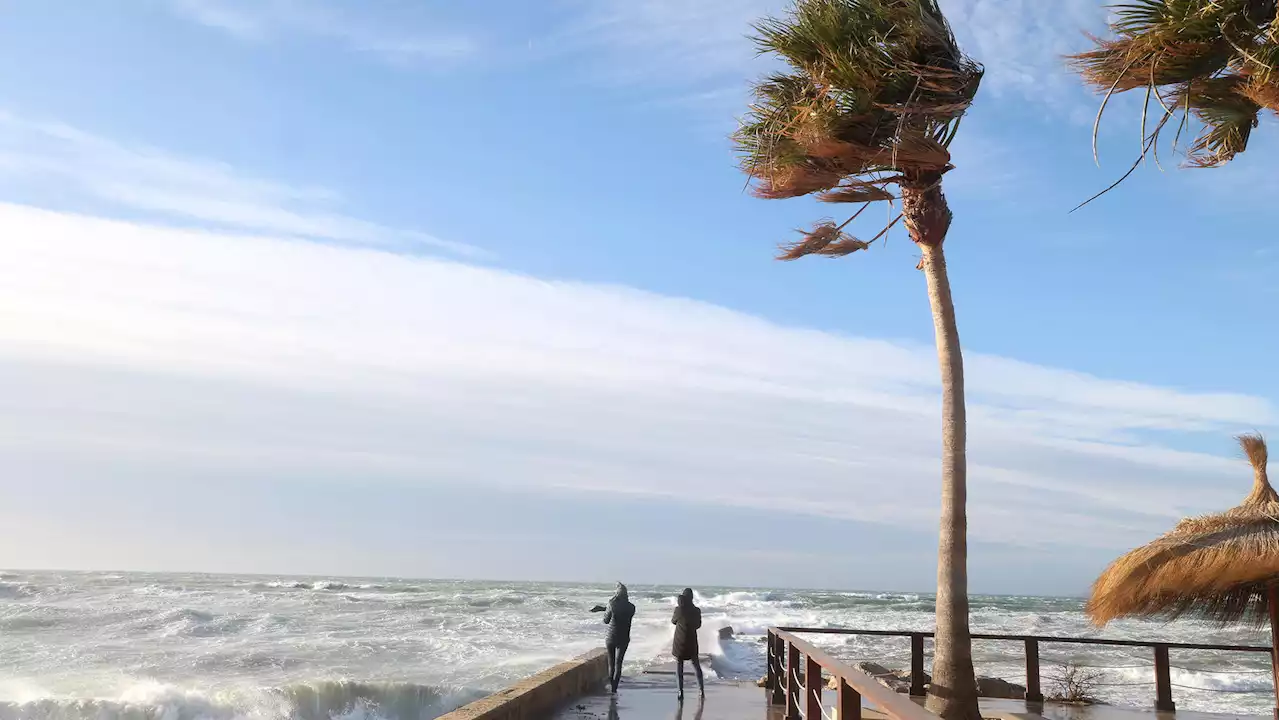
column 328, row 700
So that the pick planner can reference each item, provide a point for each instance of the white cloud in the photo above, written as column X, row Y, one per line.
column 393, row 41
column 136, row 345
column 63, row 162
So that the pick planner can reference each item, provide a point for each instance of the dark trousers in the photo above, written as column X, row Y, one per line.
column 616, row 654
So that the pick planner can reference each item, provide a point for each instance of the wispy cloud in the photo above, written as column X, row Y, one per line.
column 669, row 41
column 60, row 161
column 408, row 45
column 264, row 357
column 1022, row 44
column 705, row 44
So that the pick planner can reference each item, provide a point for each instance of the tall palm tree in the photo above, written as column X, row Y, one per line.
column 871, row 98
column 1214, row 60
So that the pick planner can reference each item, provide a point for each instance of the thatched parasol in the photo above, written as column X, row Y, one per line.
column 1221, row 566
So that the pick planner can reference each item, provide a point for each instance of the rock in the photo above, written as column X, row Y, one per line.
column 873, row 669
column 726, row 633
column 762, row 682
column 900, row 681
column 762, row 640
column 905, row 676
column 996, row 688
column 833, row 683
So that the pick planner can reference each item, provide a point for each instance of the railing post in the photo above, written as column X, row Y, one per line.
column 1273, row 608
column 1033, row 672
column 771, row 670
column 848, row 702
column 812, row 689
column 917, row 664
column 793, row 685
column 778, row 695
column 1164, row 691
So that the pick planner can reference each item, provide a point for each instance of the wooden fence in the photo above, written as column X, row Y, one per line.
column 804, row 699
column 784, row 646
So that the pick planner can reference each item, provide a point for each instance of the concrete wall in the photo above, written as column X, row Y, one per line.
column 540, row 695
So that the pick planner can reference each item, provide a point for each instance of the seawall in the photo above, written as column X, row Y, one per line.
column 539, row 696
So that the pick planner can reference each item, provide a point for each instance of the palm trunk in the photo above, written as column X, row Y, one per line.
column 953, row 691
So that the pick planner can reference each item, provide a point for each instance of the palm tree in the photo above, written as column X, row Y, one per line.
column 871, row 98
column 1214, row 60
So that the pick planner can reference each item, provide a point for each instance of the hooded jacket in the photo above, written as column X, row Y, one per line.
column 687, row 618
column 618, row 617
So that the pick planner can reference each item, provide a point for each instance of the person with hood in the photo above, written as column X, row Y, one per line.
column 618, row 617
column 684, row 646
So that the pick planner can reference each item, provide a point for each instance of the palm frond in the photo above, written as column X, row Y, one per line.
column 872, row 96
column 855, row 192
column 828, row 239
column 1227, row 114
column 814, row 240
column 1215, row 60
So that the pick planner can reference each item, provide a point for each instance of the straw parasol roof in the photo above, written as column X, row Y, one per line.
column 1221, row 566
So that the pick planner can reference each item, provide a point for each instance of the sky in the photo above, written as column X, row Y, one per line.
column 475, row 290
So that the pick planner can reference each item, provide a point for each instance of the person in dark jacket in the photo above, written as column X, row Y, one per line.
column 684, row 646
column 618, row 617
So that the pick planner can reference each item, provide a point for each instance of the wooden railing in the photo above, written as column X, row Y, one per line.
column 782, row 645
column 801, row 690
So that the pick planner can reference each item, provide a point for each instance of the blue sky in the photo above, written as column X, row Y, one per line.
column 442, row 289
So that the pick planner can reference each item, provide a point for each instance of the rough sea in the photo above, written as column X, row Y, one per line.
column 116, row 646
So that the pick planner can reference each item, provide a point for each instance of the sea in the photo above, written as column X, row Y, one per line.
column 136, row 646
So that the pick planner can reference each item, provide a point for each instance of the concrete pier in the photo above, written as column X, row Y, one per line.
column 539, row 696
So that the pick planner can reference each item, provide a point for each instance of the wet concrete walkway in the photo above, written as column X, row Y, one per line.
column 652, row 696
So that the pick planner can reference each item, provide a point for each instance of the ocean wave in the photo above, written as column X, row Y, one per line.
column 190, row 622
column 325, row 700
column 245, row 661
column 499, row 601
column 286, row 585
column 17, row 623
column 331, row 585
column 741, row 597
column 744, row 599
column 1230, row 681
column 18, row 590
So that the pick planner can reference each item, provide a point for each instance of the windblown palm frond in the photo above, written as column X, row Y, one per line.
column 873, row 95
column 1228, row 113
column 1212, row 59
